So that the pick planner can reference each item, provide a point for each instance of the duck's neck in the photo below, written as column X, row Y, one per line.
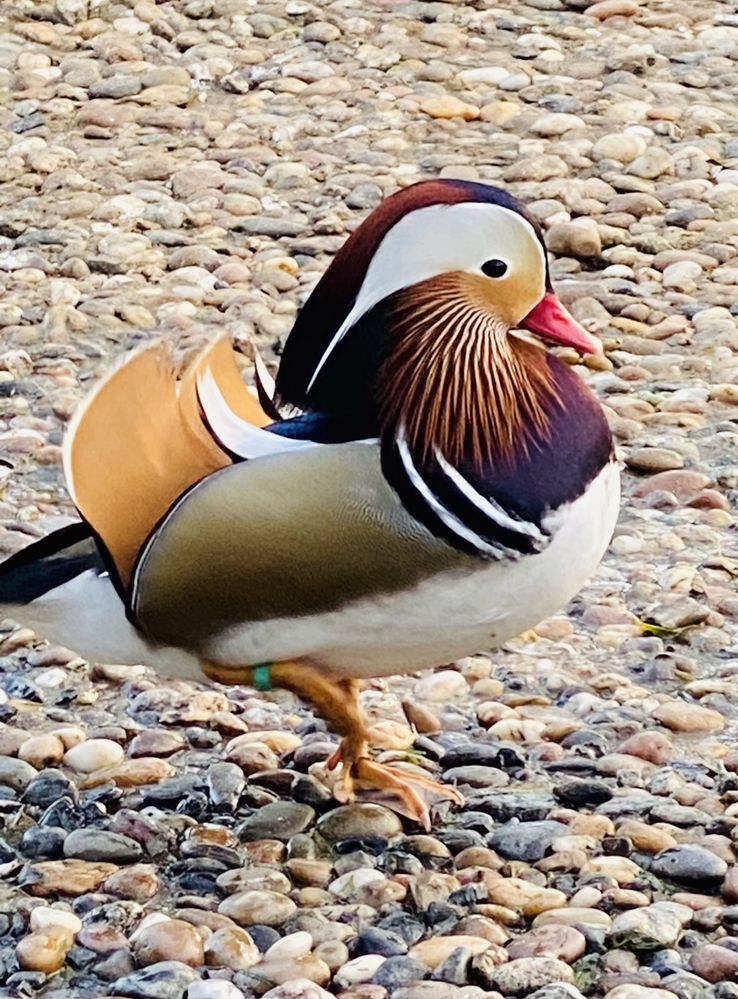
column 454, row 382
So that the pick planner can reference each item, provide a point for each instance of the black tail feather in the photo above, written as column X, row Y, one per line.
column 48, row 563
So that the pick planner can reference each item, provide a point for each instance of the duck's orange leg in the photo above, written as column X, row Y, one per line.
column 337, row 701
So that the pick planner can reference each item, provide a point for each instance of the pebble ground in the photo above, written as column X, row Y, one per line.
column 180, row 168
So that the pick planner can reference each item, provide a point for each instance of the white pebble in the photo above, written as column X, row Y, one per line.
column 360, row 970
column 290, row 948
column 150, row 920
column 298, row 988
column 95, row 754
column 441, row 686
column 352, row 882
column 214, row 988
column 52, row 677
column 46, row 918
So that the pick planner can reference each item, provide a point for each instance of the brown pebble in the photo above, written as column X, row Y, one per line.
column 102, row 938
column 563, row 942
column 421, row 717
column 231, row 947
column 683, row 717
column 132, row 773
column 68, row 877
column 612, row 8
column 715, row 964
column 682, row 482
column 652, row 746
column 709, row 499
column 309, row 873
column 42, row 751
column 645, row 837
column 156, row 742
column 170, row 940
column 44, row 950
column 435, row 951
column 730, row 886
column 137, row 883
column 265, row 851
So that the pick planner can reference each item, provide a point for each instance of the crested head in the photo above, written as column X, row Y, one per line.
column 422, row 231
column 426, row 291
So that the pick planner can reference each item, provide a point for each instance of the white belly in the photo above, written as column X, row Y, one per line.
column 451, row 615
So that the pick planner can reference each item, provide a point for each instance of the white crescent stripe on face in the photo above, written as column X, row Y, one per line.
column 486, row 505
column 436, row 240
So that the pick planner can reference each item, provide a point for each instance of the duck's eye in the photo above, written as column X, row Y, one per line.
column 494, row 268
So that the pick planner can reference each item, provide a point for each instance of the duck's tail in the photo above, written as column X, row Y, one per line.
column 135, row 446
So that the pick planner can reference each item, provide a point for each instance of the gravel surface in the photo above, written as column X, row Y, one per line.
column 179, row 168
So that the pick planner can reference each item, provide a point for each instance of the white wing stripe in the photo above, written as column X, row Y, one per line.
column 239, row 436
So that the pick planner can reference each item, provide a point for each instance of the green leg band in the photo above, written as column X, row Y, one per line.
column 262, row 679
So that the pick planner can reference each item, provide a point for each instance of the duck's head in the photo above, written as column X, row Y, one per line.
column 416, row 312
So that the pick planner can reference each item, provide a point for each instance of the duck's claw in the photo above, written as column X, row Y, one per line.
column 410, row 793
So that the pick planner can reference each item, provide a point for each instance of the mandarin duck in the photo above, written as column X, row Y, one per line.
column 437, row 481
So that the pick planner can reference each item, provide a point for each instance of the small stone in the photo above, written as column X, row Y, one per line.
column 299, row 988
column 435, row 951
column 95, row 754
column 653, row 459
column 565, row 943
column 156, row 742
column 16, row 773
column 715, row 963
column 50, row 918
column 499, row 112
column 556, row 124
column 449, row 107
column 441, row 687
column 67, row 877
column 42, row 751
column 231, row 947
column 137, row 883
column 682, row 275
column 361, row 969
column 131, row 773
column 527, row 840
column 653, row 163
column 214, row 988
column 165, row 980
column 683, row 483
column 226, row 783
column 44, row 950
column 644, row 837
column 102, row 844
column 604, row 9
column 358, row 820
column 683, row 717
column 161, row 941
column 689, row 863
column 279, row 820
column 526, row 974
column 250, row 907
column 652, row 746
column 649, row 928
column 624, row 147
column 574, row 239
column 633, row 991
column 361, row 885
